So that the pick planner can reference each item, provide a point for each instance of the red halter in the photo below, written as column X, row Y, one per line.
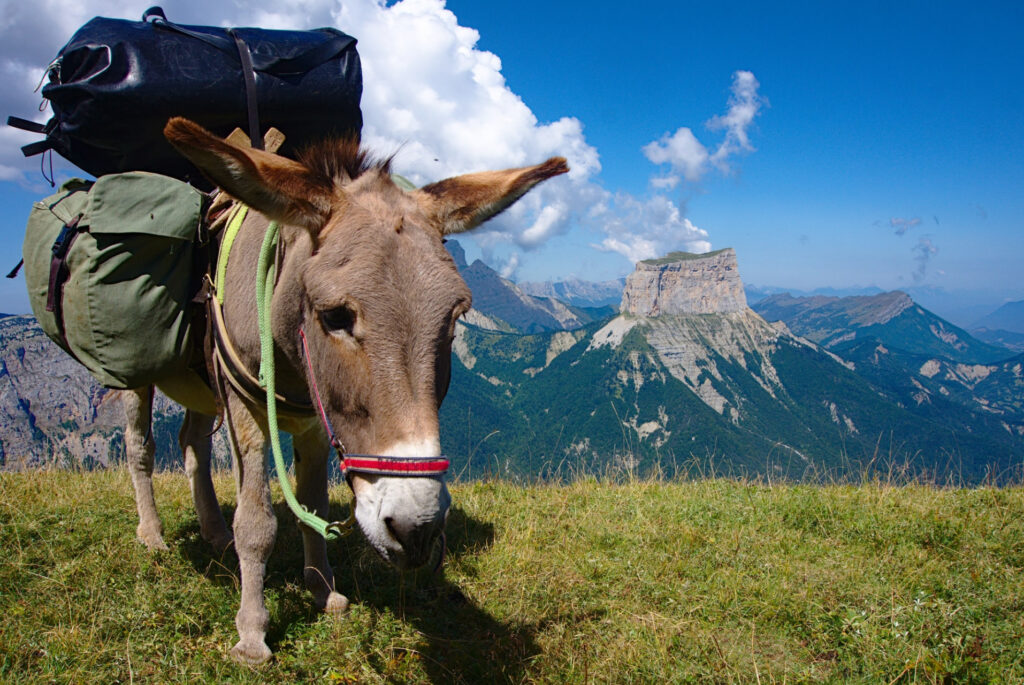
column 370, row 463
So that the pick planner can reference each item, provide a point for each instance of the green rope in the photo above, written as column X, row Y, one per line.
column 265, row 272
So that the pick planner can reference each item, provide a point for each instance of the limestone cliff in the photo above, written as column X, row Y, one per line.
column 685, row 283
column 696, row 317
column 53, row 413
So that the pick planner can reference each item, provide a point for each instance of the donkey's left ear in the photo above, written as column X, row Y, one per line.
column 280, row 188
column 462, row 203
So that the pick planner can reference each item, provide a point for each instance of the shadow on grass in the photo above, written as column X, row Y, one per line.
column 463, row 642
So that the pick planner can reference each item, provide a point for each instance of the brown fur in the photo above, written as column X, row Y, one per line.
column 353, row 243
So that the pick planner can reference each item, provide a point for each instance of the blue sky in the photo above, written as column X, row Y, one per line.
column 877, row 111
column 886, row 148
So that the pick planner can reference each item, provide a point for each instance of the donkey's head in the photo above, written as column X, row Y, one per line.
column 377, row 296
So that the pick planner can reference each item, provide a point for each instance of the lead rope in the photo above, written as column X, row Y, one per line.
column 265, row 269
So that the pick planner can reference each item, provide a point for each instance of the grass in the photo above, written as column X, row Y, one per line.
column 673, row 257
column 646, row 582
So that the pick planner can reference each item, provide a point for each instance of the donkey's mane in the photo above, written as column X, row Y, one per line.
column 341, row 159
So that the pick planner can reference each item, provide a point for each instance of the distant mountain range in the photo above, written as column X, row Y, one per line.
column 676, row 380
column 1009, row 317
column 53, row 412
column 1003, row 327
column 579, row 293
column 685, row 376
column 510, row 308
column 892, row 318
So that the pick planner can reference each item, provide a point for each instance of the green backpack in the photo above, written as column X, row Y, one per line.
column 110, row 272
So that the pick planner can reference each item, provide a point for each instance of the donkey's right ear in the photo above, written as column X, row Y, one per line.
column 280, row 188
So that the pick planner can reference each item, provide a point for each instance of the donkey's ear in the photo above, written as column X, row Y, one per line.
column 280, row 188
column 462, row 203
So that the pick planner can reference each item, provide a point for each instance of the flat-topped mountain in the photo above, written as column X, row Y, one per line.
column 685, row 283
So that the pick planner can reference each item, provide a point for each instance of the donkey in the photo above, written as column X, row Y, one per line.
column 363, row 274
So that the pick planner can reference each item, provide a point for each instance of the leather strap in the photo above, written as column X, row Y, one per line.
column 251, row 100
column 247, row 385
column 59, row 273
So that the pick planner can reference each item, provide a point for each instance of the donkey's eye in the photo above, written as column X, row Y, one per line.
column 338, row 319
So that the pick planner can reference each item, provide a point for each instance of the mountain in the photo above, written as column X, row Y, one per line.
column 965, row 398
column 893, row 318
column 53, row 412
column 756, row 293
column 687, row 377
column 1009, row 317
column 685, row 283
column 502, row 299
column 1003, row 327
column 579, row 293
column 1000, row 338
column 961, row 307
column 506, row 306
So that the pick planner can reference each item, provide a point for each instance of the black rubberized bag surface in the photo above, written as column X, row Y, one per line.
column 115, row 84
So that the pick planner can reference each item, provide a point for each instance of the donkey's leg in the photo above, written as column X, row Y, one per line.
column 139, row 450
column 311, row 457
column 255, row 527
column 195, row 442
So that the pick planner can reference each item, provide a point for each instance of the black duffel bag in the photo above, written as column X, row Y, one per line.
column 116, row 83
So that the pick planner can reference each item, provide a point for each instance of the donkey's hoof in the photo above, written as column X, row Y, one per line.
column 250, row 653
column 151, row 537
column 336, row 605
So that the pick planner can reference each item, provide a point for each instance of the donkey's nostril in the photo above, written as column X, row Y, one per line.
column 389, row 523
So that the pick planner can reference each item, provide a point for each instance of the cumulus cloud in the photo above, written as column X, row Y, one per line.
column 690, row 159
column 685, row 154
column 641, row 229
column 430, row 95
column 438, row 102
column 645, row 228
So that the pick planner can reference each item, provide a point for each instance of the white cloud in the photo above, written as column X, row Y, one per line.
column 641, row 229
column 434, row 98
column 645, row 228
column 682, row 151
column 689, row 158
column 744, row 105
column 429, row 93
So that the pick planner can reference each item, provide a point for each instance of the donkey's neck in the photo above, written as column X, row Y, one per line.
column 240, row 306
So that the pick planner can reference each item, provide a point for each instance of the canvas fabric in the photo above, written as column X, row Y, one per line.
column 126, row 307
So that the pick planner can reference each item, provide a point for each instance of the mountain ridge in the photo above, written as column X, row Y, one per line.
column 892, row 317
column 645, row 390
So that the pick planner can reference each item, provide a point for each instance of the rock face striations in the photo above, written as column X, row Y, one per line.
column 53, row 413
column 685, row 283
column 695, row 316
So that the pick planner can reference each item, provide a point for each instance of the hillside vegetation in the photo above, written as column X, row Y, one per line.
column 701, row 581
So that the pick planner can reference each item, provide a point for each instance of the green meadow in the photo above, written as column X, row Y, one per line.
column 711, row 580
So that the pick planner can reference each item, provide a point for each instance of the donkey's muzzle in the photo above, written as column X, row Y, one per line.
column 417, row 539
column 402, row 517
